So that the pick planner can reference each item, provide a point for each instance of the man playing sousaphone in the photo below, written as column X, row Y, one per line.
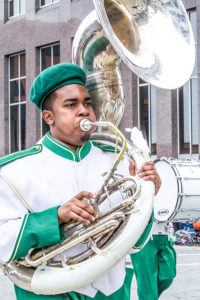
column 48, row 185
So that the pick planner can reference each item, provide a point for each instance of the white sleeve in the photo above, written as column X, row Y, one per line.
column 12, row 211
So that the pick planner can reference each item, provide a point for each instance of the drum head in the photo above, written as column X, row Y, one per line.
column 165, row 201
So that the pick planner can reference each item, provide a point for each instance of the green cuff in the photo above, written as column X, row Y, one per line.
column 38, row 230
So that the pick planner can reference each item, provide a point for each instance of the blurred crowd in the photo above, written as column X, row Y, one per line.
column 187, row 233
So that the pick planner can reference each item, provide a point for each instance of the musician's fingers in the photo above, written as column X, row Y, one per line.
column 85, row 194
column 132, row 166
column 154, row 178
column 65, row 211
column 82, row 213
column 74, row 206
column 149, row 165
column 83, row 203
column 85, row 206
column 76, row 217
column 147, row 173
column 150, row 177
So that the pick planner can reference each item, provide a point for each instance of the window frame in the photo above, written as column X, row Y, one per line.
column 190, row 119
column 40, row 53
column 52, row 2
column 19, row 103
column 149, row 86
column 19, row 6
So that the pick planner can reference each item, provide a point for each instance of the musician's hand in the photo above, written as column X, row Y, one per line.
column 77, row 209
column 147, row 172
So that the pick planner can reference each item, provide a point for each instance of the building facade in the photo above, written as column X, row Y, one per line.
column 39, row 33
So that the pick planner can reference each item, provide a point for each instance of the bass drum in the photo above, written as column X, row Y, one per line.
column 179, row 196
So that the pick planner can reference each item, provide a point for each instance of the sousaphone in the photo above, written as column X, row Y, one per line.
column 154, row 38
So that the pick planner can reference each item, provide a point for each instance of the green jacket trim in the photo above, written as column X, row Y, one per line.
column 39, row 229
column 64, row 151
column 19, row 154
column 145, row 234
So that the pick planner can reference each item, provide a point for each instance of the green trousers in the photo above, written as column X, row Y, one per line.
column 122, row 294
column 155, row 267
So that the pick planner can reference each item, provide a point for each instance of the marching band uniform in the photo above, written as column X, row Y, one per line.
column 50, row 174
column 33, row 185
column 35, row 182
column 155, row 264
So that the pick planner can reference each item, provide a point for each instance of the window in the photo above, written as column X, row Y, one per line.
column 188, row 107
column 147, row 113
column 47, row 2
column 17, row 102
column 16, row 7
column 49, row 56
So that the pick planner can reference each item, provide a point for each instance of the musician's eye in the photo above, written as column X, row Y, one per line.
column 88, row 103
column 69, row 105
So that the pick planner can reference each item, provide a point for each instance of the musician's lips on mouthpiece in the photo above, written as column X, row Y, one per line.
column 78, row 125
column 85, row 125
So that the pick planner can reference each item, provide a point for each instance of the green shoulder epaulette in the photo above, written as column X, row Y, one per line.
column 19, row 154
column 105, row 147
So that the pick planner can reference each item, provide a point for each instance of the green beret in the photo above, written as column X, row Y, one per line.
column 53, row 78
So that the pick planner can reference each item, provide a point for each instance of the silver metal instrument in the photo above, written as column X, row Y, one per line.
column 153, row 37
column 109, row 238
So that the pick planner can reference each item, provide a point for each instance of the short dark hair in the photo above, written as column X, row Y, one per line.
column 48, row 101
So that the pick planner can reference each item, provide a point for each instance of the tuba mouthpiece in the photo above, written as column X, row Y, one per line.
column 85, row 125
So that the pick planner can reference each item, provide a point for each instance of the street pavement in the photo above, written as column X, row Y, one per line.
column 186, row 285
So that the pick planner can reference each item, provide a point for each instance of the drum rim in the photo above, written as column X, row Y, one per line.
column 179, row 198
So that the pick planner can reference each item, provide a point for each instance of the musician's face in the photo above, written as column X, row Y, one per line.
column 71, row 105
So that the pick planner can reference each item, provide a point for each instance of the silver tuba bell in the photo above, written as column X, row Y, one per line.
column 154, row 38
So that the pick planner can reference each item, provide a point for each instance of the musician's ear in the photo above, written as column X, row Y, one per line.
column 48, row 117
